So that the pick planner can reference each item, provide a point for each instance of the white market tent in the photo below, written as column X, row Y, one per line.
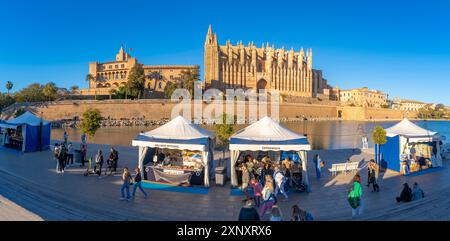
column 404, row 132
column 178, row 134
column 267, row 135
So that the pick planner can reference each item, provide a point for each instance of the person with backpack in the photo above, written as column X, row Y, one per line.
column 138, row 183
column 98, row 163
column 126, row 182
column 355, row 196
column 268, row 196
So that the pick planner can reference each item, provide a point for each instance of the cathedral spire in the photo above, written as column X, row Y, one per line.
column 209, row 30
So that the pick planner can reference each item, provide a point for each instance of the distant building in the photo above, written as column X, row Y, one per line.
column 363, row 97
column 112, row 75
column 408, row 105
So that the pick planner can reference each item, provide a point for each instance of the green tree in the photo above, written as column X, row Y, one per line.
column 90, row 78
column 112, row 92
column 224, row 132
column 50, row 91
column 73, row 89
column 19, row 112
column 379, row 138
column 90, row 121
column 5, row 101
column 9, row 86
column 31, row 93
column 169, row 89
column 136, row 80
column 189, row 78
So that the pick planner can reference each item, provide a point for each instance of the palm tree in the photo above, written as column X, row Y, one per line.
column 90, row 78
column 73, row 89
column 9, row 86
column 112, row 92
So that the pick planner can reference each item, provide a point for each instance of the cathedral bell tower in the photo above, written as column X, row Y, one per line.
column 211, row 71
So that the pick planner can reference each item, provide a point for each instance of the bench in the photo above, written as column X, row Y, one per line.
column 344, row 167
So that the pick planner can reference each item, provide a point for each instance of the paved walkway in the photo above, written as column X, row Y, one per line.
column 30, row 180
column 10, row 211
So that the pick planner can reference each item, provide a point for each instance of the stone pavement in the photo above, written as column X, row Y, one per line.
column 30, row 180
column 10, row 211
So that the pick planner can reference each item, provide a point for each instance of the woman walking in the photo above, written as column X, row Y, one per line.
column 355, row 196
column 137, row 183
column 126, row 179
column 268, row 196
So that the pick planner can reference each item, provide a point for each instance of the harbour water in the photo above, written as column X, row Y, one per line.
column 321, row 134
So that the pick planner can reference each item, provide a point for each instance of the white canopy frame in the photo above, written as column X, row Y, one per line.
column 178, row 134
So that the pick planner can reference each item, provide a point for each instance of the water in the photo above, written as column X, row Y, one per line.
column 321, row 134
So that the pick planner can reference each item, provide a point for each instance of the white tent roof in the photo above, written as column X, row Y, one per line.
column 26, row 118
column 408, row 129
column 267, row 134
column 179, row 129
column 176, row 134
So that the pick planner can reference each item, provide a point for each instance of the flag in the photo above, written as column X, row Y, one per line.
column 131, row 49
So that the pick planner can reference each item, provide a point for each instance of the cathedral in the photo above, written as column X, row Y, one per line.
column 249, row 67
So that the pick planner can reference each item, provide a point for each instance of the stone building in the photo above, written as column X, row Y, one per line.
column 250, row 67
column 363, row 97
column 408, row 105
column 115, row 74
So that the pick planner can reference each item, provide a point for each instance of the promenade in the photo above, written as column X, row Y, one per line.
column 30, row 180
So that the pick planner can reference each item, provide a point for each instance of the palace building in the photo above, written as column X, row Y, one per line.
column 112, row 75
column 250, row 67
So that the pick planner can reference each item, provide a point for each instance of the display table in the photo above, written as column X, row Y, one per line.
column 175, row 175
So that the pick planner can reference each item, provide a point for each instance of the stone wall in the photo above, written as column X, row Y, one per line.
column 154, row 110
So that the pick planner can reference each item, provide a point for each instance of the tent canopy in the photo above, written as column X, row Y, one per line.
column 26, row 118
column 267, row 134
column 176, row 134
column 410, row 130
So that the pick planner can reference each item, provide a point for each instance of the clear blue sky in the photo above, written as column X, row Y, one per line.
column 401, row 47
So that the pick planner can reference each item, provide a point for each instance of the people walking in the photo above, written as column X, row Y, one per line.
column 405, row 195
column 355, row 196
column 98, row 163
column 138, row 183
column 126, row 181
column 318, row 165
column 280, row 181
column 372, row 176
column 268, row 196
column 248, row 212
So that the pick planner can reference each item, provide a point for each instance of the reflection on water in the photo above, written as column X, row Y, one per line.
column 321, row 134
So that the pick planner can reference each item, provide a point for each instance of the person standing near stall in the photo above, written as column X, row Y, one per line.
column 268, row 196
column 280, row 181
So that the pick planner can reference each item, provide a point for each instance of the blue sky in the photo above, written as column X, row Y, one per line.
column 400, row 47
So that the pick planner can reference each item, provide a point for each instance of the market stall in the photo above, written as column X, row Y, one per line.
column 26, row 133
column 410, row 148
column 267, row 135
column 181, row 153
